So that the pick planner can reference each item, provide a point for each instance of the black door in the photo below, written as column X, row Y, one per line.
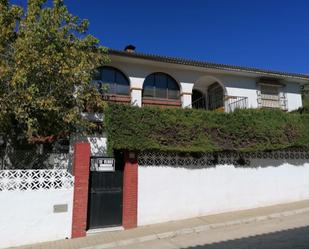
column 105, row 198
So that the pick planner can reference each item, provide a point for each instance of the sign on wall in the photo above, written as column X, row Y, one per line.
column 103, row 164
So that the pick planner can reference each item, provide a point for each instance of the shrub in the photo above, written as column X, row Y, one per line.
column 189, row 130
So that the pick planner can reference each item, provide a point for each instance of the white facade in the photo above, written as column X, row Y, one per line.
column 294, row 98
column 173, row 193
column 98, row 144
column 235, row 83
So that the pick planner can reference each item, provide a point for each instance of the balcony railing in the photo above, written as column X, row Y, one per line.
column 232, row 103
column 199, row 103
column 228, row 103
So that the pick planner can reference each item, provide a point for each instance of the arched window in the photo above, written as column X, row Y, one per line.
column 160, row 85
column 114, row 80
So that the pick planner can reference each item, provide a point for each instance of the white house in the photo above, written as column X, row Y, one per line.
column 168, row 186
column 134, row 189
column 143, row 79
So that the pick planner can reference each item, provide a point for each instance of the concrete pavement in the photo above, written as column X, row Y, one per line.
column 290, row 232
column 216, row 227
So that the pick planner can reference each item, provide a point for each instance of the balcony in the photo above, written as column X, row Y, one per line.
column 168, row 103
column 226, row 104
column 124, row 99
column 232, row 103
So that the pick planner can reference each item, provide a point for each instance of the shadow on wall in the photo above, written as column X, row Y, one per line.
column 97, row 144
column 292, row 238
column 276, row 162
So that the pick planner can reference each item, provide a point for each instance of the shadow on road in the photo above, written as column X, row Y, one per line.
column 297, row 238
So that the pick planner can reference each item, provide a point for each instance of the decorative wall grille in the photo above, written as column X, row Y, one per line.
column 23, row 180
column 201, row 160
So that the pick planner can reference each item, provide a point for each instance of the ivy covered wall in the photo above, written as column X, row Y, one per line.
column 189, row 130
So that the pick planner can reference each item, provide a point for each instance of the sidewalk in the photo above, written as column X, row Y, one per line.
column 172, row 229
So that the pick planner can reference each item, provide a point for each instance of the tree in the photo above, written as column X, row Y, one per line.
column 46, row 63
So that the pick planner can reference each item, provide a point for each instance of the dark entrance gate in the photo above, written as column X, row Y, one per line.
column 105, row 197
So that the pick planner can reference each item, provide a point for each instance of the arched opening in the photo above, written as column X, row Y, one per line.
column 111, row 81
column 208, row 93
column 113, row 84
column 161, row 89
column 198, row 99
column 215, row 97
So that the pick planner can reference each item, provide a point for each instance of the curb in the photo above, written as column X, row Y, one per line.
column 198, row 229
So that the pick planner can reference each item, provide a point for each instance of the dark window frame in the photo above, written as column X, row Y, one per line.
column 115, row 83
column 153, row 86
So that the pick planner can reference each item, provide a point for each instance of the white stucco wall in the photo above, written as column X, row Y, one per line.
column 172, row 193
column 28, row 217
column 98, row 145
column 242, row 87
column 136, row 86
column 136, row 97
column 236, row 84
column 186, row 92
column 293, row 95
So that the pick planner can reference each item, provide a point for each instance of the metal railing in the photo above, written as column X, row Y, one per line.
column 228, row 103
column 231, row 103
column 199, row 103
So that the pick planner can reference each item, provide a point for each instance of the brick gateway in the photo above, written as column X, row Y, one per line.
column 81, row 190
column 200, row 180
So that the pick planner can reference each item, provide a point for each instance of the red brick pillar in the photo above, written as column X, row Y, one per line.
column 81, row 174
column 129, row 213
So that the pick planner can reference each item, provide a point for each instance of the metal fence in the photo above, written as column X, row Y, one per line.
column 30, row 159
column 235, row 102
column 228, row 103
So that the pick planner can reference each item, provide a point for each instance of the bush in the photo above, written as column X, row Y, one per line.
column 189, row 130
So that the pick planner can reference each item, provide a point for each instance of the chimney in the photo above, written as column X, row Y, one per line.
column 130, row 49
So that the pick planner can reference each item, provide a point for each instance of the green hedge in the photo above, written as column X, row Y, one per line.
column 188, row 130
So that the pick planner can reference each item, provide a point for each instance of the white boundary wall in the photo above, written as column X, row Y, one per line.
column 168, row 193
column 27, row 202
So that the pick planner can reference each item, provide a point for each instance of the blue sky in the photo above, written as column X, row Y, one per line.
column 271, row 34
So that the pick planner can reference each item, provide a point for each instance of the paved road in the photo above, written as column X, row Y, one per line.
column 290, row 239
column 287, row 233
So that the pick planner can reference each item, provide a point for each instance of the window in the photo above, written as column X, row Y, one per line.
column 160, row 85
column 270, row 96
column 113, row 79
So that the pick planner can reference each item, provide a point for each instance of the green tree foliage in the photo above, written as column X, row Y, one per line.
column 46, row 62
column 189, row 130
